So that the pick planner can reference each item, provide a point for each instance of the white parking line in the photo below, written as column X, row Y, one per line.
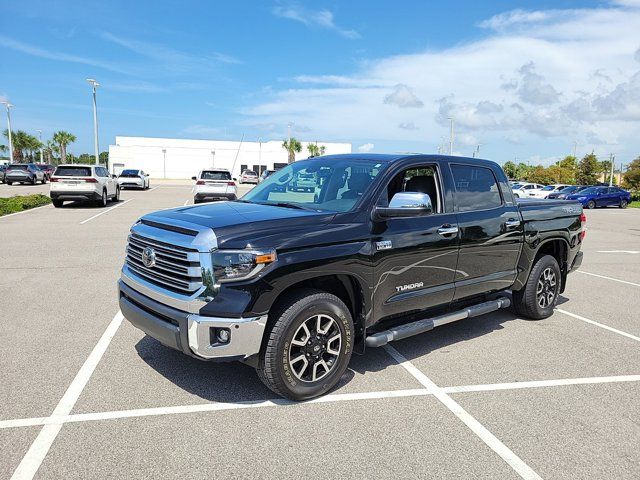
column 608, row 278
column 632, row 252
column 105, row 211
column 186, row 203
column 24, row 211
column 40, row 446
column 515, row 462
column 494, row 387
column 597, row 324
column 337, row 397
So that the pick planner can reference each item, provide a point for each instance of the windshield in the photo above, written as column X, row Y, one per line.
column 73, row 172
column 516, row 186
column 546, row 189
column 215, row 176
column 570, row 189
column 329, row 184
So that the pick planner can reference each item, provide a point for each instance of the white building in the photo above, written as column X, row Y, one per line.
column 183, row 159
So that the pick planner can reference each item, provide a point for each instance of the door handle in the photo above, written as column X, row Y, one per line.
column 447, row 229
column 512, row 223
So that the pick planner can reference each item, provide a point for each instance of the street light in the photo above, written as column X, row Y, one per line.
column 9, row 105
column 451, row 136
column 40, row 140
column 259, row 156
column 94, row 84
column 164, row 155
column 213, row 158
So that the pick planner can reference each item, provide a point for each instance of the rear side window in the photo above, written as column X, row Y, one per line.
column 215, row 176
column 73, row 172
column 476, row 188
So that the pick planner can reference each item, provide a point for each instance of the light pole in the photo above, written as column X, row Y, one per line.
column 164, row 164
column 94, row 84
column 259, row 156
column 9, row 105
column 612, row 159
column 213, row 158
column 40, row 140
column 450, row 135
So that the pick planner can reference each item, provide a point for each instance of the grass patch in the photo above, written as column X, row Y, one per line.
column 635, row 204
column 19, row 203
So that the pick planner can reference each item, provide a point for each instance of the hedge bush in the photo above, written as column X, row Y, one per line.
column 19, row 203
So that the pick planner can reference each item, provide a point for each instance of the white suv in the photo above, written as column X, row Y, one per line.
column 525, row 189
column 214, row 184
column 87, row 183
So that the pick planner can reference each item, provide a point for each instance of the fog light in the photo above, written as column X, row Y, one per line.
column 223, row 335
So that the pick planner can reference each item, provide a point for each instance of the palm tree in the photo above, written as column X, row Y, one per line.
column 292, row 146
column 315, row 150
column 49, row 149
column 63, row 139
column 21, row 141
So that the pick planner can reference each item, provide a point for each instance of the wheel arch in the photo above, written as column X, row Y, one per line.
column 557, row 247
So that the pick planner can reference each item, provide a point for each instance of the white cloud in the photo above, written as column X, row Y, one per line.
column 535, row 75
column 366, row 148
column 403, row 97
column 408, row 126
column 312, row 18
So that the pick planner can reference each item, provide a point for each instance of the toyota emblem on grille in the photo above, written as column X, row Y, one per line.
column 149, row 257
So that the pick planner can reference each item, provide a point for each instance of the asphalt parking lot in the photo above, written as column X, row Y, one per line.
column 86, row 395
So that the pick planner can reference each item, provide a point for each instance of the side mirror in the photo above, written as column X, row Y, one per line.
column 405, row 204
column 114, row 176
column 194, row 178
column 235, row 179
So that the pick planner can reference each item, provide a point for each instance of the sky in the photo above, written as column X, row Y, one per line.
column 523, row 80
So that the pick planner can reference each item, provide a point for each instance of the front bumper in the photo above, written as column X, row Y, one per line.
column 192, row 334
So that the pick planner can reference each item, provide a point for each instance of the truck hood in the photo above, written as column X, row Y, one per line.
column 237, row 224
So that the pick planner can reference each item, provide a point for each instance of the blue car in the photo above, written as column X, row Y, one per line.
column 593, row 197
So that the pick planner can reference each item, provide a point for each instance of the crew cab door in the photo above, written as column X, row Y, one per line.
column 491, row 230
column 415, row 258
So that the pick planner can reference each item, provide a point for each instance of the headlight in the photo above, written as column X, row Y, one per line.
column 234, row 265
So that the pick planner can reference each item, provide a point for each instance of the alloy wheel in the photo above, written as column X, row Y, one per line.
column 315, row 348
column 547, row 288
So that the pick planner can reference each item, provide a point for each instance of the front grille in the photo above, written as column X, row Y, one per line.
column 177, row 268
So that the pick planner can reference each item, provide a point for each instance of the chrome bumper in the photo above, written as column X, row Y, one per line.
column 245, row 336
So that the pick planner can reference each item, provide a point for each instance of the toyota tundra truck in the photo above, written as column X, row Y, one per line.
column 382, row 248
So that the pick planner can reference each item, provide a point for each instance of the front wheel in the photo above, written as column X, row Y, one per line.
column 539, row 296
column 34, row 180
column 57, row 203
column 591, row 204
column 623, row 203
column 116, row 197
column 307, row 346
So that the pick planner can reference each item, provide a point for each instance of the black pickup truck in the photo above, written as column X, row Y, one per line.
column 381, row 248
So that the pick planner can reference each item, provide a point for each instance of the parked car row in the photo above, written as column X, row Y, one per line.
column 218, row 184
column 590, row 196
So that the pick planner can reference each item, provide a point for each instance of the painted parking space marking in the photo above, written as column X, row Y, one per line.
column 632, row 252
column 106, row 211
column 336, row 397
column 598, row 324
column 40, row 447
column 609, row 278
column 24, row 211
column 515, row 462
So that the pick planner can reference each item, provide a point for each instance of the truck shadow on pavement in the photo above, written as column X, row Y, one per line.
column 237, row 382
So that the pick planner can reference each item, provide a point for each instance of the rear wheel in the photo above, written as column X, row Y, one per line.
column 103, row 199
column 116, row 197
column 9, row 183
column 591, row 204
column 307, row 346
column 44, row 179
column 34, row 180
column 57, row 203
column 623, row 203
column 539, row 296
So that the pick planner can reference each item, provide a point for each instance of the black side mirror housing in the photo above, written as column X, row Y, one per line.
column 194, row 178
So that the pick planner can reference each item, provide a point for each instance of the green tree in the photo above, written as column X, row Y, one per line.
column 315, row 150
column 63, row 139
column 104, row 158
column 292, row 146
column 49, row 151
column 22, row 143
column 523, row 170
column 588, row 169
column 631, row 179
column 510, row 169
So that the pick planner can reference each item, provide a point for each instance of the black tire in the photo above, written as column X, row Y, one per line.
column 527, row 302
column 591, row 204
column 103, row 200
column 196, row 201
column 57, row 203
column 275, row 368
column 623, row 203
column 9, row 183
column 34, row 180
column 44, row 180
column 116, row 197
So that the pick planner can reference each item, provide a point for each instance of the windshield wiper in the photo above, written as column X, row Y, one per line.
column 288, row 205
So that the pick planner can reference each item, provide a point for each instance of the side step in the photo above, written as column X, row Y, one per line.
column 421, row 326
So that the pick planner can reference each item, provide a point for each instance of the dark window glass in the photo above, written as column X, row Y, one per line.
column 18, row 167
column 215, row 175
column 129, row 173
column 476, row 188
column 73, row 172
